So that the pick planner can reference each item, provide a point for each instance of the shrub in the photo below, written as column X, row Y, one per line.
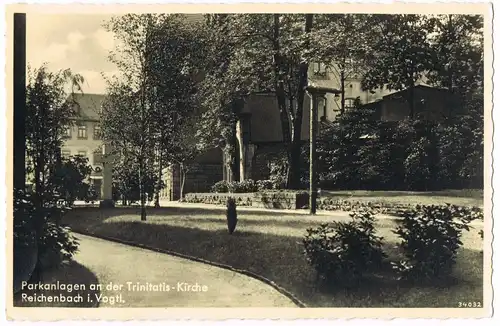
column 231, row 215
column 430, row 239
column 264, row 185
column 220, row 187
column 56, row 245
column 245, row 186
column 344, row 252
column 54, row 242
column 278, row 172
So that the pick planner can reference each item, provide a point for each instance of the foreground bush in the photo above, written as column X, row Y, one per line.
column 231, row 215
column 39, row 228
column 430, row 238
column 343, row 252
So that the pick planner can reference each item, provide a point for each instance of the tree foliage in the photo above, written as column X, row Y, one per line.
column 38, row 211
column 159, row 62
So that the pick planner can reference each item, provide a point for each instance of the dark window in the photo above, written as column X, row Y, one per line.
column 67, row 132
column 322, row 108
column 97, row 157
column 97, row 132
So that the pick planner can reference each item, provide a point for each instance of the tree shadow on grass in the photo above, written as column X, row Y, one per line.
column 281, row 260
column 71, row 274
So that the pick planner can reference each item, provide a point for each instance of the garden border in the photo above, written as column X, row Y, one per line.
column 261, row 278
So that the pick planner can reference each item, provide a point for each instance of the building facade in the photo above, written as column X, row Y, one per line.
column 83, row 137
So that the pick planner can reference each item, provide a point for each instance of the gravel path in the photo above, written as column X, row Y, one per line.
column 151, row 279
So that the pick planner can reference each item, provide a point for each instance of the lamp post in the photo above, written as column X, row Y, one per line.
column 315, row 93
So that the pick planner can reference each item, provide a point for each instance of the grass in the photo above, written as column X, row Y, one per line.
column 71, row 273
column 462, row 197
column 269, row 244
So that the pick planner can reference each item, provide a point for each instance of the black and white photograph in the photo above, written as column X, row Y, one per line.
column 225, row 159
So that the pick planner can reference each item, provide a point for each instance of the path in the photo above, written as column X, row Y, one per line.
column 118, row 263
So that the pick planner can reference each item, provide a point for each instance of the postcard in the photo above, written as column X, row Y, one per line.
column 249, row 161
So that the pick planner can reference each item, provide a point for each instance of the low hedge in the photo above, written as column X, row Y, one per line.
column 263, row 199
column 300, row 200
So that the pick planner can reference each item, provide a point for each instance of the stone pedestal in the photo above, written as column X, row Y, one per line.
column 107, row 178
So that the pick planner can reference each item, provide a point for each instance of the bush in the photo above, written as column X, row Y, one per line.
column 231, row 215
column 235, row 186
column 68, row 178
column 55, row 243
column 220, row 187
column 344, row 252
column 264, row 185
column 244, row 186
column 430, row 239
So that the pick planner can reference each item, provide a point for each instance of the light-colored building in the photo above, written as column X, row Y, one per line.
column 83, row 137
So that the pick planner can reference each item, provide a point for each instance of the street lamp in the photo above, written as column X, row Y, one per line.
column 315, row 92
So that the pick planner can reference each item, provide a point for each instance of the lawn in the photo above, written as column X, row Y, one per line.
column 269, row 244
column 461, row 197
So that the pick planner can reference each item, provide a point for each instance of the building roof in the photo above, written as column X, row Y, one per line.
column 420, row 86
column 88, row 105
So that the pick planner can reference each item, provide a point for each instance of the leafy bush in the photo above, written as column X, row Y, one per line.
column 69, row 178
column 244, row 186
column 231, row 215
column 235, row 186
column 357, row 151
column 220, row 187
column 264, row 185
column 430, row 238
column 56, row 245
column 344, row 252
column 39, row 227
column 278, row 172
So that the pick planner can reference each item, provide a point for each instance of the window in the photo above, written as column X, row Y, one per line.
column 349, row 103
column 65, row 153
column 322, row 108
column 67, row 132
column 82, row 131
column 82, row 153
column 319, row 68
column 97, row 132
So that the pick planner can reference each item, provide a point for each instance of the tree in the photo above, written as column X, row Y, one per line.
column 400, row 53
column 159, row 61
column 175, row 60
column 268, row 54
column 334, row 45
column 222, row 90
column 49, row 110
column 185, row 149
column 69, row 178
column 457, row 47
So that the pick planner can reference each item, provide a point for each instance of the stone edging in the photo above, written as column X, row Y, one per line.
column 261, row 278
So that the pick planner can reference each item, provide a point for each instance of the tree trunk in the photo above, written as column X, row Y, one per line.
column 141, row 189
column 158, row 184
column 295, row 162
column 183, row 180
column 342, row 91
column 280, row 90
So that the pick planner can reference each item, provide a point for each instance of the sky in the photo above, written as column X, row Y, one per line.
column 78, row 42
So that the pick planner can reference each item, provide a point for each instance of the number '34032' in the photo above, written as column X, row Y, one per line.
column 469, row 304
